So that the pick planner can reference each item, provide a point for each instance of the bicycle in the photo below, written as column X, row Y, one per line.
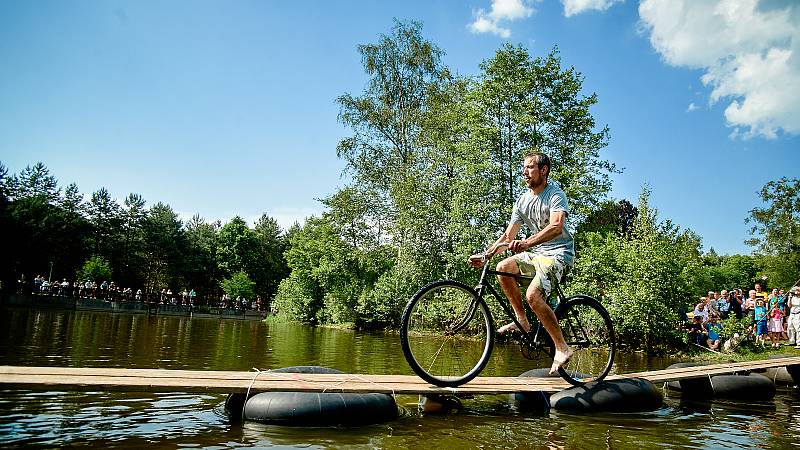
column 447, row 332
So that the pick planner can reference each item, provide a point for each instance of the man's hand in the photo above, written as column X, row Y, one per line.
column 477, row 260
column 518, row 246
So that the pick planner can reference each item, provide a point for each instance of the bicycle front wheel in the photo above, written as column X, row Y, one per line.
column 588, row 330
column 446, row 333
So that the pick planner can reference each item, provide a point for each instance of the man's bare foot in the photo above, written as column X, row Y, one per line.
column 509, row 327
column 560, row 358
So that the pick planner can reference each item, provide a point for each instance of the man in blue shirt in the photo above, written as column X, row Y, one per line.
column 723, row 304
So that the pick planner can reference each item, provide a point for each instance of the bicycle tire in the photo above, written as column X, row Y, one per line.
column 588, row 330
column 447, row 333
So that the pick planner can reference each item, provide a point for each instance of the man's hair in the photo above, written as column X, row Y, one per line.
column 541, row 160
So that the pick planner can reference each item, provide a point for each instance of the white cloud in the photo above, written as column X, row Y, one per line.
column 749, row 51
column 502, row 11
column 573, row 7
column 692, row 107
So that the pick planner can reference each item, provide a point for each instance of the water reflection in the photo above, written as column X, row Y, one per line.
column 136, row 420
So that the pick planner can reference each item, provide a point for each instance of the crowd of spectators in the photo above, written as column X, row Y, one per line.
column 771, row 317
column 110, row 291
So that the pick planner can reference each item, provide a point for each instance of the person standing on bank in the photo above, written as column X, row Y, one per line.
column 550, row 251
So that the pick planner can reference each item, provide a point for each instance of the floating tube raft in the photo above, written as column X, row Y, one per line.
column 743, row 386
column 784, row 376
column 618, row 396
column 313, row 409
column 626, row 395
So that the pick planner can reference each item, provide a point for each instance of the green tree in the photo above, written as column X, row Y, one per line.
column 37, row 231
column 272, row 265
column 202, row 271
column 239, row 285
column 35, row 181
column 131, row 239
column 95, row 269
column 164, row 249
column 4, row 188
column 776, row 227
column 776, row 231
column 72, row 202
column 610, row 217
column 644, row 278
column 238, row 247
column 104, row 214
column 524, row 104
column 387, row 122
column 331, row 280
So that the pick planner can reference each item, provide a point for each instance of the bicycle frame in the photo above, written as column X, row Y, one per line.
column 532, row 337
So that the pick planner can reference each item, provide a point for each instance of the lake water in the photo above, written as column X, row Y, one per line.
column 135, row 420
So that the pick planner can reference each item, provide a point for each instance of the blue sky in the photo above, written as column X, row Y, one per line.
column 227, row 108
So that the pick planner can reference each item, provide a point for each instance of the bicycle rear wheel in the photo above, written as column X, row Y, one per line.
column 588, row 330
column 446, row 333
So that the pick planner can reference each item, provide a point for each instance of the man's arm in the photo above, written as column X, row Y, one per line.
column 551, row 231
column 479, row 259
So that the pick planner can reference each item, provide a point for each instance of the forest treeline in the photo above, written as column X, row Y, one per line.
column 45, row 228
column 433, row 160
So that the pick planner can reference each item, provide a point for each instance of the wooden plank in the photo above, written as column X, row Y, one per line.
column 162, row 380
column 163, row 384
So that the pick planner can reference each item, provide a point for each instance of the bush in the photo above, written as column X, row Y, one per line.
column 297, row 298
column 644, row 277
column 732, row 325
column 239, row 285
column 96, row 269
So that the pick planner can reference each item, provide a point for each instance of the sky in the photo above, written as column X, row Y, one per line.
column 225, row 108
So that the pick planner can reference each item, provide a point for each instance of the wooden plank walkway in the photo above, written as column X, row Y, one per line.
column 161, row 380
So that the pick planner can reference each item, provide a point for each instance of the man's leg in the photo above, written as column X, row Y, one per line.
column 548, row 319
column 511, row 289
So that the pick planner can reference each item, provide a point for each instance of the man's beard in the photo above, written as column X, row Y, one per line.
column 530, row 182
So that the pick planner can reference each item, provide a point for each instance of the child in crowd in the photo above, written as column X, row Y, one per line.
column 697, row 333
column 775, row 325
column 749, row 308
column 760, row 317
column 714, row 328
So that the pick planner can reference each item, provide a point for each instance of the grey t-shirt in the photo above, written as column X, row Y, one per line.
column 534, row 211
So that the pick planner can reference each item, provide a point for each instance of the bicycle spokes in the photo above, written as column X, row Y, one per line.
column 446, row 333
column 587, row 329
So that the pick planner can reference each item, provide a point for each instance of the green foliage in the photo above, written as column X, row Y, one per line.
column 34, row 181
column 298, row 298
column 732, row 325
column 776, row 227
column 202, row 270
column 610, row 217
column 239, row 285
column 165, row 244
column 144, row 248
column 521, row 104
column 645, row 277
column 776, row 231
column 96, row 269
column 435, row 162
column 728, row 272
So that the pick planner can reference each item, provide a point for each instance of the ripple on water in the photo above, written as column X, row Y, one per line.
column 60, row 417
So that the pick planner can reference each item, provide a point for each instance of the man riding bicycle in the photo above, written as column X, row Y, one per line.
column 543, row 209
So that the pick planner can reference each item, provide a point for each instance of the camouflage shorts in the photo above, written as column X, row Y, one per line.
column 543, row 269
